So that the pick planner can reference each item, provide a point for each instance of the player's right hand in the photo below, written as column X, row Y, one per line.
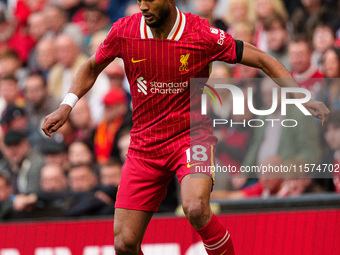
column 56, row 119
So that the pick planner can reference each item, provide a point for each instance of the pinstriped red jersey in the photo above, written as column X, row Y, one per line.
column 159, row 73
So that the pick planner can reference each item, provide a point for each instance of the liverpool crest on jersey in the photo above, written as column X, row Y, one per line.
column 184, row 62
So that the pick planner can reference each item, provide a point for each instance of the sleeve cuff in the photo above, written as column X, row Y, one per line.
column 239, row 50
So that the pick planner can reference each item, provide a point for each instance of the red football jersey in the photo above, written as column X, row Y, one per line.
column 159, row 73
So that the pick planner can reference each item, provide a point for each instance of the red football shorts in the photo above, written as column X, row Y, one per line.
column 144, row 181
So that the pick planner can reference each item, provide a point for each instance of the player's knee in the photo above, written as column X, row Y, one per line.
column 196, row 210
column 125, row 246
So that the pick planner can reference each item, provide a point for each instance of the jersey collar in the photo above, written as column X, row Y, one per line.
column 175, row 33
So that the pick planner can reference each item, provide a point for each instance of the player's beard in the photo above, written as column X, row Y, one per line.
column 160, row 20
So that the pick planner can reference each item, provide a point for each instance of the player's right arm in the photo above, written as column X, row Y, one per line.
column 86, row 76
column 83, row 82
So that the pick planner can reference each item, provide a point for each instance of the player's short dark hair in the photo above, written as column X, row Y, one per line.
column 298, row 38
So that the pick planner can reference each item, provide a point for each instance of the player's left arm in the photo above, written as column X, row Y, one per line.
column 255, row 57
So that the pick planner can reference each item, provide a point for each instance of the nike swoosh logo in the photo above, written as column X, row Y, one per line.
column 188, row 165
column 138, row 60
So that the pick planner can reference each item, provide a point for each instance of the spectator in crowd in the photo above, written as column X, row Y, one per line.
column 13, row 206
column 82, row 122
column 52, row 198
column 46, row 56
column 15, row 119
column 79, row 16
column 244, row 31
column 277, row 39
column 11, row 65
column 303, row 185
column 69, row 59
column 80, row 152
column 220, row 70
column 96, row 20
column 88, row 199
column 57, row 24
column 240, row 11
column 10, row 92
column 110, row 173
column 323, row 38
column 70, row 7
column 96, row 40
column 82, row 178
column 332, row 157
column 330, row 91
column 115, row 73
column 305, row 15
column 53, row 178
column 205, row 9
column 24, row 8
column 22, row 162
column 264, row 10
column 55, row 154
column 300, row 55
column 37, row 28
column 116, row 110
column 14, row 36
column 39, row 102
column 305, row 18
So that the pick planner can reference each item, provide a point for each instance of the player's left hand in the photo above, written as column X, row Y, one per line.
column 318, row 110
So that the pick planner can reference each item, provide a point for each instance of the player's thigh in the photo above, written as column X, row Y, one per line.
column 196, row 187
column 143, row 184
column 129, row 226
column 196, row 174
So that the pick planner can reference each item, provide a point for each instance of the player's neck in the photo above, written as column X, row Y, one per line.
column 164, row 30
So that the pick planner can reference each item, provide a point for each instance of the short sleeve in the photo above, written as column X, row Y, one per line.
column 220, row 46
column 109, row 49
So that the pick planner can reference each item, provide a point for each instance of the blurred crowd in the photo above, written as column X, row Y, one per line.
column 77, row 171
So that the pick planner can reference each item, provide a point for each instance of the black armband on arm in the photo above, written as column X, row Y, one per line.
column 239, row 50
